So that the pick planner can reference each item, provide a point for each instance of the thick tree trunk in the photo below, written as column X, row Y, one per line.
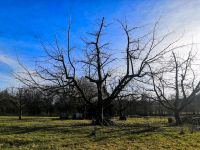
column 100, row 118
column 102, row 115
column 177, row 118
column 20, row 114
column 99, row 115
column 122, row 116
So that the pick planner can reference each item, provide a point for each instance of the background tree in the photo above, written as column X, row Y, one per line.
column 177, row 84
column 18, row 97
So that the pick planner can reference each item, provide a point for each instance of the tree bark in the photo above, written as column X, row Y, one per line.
column 177, row 117
column 99, row 119
column 20, row 114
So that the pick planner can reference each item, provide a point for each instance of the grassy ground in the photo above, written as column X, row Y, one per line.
column 41, row 133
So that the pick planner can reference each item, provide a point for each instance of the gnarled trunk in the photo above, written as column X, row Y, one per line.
column 100, row 118
column 20, row 114
column 177, row 117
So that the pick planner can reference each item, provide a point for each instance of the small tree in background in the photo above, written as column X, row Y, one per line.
column 177, row 84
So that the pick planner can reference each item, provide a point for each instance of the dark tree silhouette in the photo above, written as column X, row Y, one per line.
column 60, row 69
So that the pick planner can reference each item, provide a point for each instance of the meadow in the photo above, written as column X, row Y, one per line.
column 41, row 133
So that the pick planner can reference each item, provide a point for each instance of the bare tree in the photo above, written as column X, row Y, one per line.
column 177, row 84
column 17, row 97
column 60, row 70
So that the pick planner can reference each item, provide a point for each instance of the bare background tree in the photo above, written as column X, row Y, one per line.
column 18, row 97
column 177, row 83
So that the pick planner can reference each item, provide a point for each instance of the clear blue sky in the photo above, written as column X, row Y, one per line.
column 21, row 20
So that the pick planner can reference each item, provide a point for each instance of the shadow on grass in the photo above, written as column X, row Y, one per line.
column 117, row 132
column 15, row 143
column 24, row 130
column 63, row 128
column 79, row 130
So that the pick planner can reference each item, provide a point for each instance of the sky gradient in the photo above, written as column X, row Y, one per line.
column 22, row 20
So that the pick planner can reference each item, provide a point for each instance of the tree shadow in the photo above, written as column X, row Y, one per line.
column 78, row 129
column 60, row 128
column 119, row 131
column 23, row 130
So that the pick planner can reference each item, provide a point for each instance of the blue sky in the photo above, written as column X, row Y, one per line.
column 22, row 20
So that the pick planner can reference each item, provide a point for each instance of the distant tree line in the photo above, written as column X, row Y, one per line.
column 32, row 102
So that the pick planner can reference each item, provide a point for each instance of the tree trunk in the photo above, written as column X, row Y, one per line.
column 20, row 114
column 122, row 116
column 102, row 115
column 177, row 118
column 100, row 118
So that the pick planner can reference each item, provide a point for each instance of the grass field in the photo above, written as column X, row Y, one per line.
column 41, row 133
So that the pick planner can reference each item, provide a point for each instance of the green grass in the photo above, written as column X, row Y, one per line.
column 41, row 133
